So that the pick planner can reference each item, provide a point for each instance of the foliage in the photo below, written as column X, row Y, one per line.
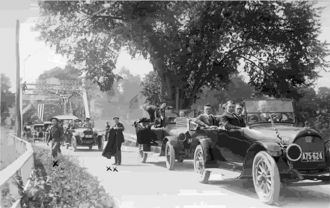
column 66, row 185
column 315, row 109
column 151, row 88
column 7, row 200
column 237, row 90
column 68, row 73
column 7, row 97
column 192, row 44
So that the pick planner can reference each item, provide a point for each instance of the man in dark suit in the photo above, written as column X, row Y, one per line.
column 229, row 119
column 239, row 113
column 206, row 119
column 56, row 135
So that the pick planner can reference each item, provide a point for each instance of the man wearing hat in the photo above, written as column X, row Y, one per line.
column 207, row 119
column 56, row 135
column 88, row 123
column 115, row 140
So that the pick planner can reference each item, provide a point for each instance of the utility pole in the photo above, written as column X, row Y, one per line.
column 18, row 86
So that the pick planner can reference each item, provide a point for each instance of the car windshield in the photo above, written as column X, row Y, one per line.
column 261, row 111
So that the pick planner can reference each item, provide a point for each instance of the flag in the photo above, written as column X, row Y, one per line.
column 41, row 108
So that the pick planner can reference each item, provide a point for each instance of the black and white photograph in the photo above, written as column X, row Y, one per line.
column 165, row 104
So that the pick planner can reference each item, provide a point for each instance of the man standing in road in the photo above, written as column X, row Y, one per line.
column 229, row 119
column 207, row 119
column 56, row 136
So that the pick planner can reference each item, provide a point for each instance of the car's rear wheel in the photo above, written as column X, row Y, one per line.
column 74, row 143
column 199, row 165
column 266, row 178
column 169, row 156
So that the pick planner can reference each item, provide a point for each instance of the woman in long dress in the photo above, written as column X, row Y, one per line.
column 115, row 140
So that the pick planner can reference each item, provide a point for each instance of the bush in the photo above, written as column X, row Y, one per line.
column 66, row 185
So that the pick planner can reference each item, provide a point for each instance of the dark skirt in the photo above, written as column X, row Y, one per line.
column 113, row 145
column 145, row 135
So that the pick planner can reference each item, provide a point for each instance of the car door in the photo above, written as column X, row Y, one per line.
column 233, row 145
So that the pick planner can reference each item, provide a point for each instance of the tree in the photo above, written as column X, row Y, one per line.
column 237, row 90
column 192, row 44
column 151, row 88
column 7, row 97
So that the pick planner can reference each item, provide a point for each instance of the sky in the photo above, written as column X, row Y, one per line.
column 36, row 57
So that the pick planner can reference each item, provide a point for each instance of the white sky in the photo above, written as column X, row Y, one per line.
column 36, row 57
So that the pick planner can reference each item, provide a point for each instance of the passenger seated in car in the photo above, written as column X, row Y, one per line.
column 239, row 113
column 229, row 119
column 206, row 119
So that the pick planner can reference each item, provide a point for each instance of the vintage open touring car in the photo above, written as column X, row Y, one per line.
column 271, row 150
column 82, row 136
column 172, row 138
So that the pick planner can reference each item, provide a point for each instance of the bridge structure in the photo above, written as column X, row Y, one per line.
column 62, row 91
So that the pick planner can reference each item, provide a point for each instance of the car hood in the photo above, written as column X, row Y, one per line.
column 268, row 133
column 81, row 130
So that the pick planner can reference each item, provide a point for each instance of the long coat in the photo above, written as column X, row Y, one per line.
column 115, row 139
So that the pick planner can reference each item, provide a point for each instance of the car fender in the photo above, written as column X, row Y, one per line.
column 206, row 144
column 271, row 148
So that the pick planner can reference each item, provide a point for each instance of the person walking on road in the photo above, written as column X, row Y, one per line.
column 115, row 140
column 56, row 135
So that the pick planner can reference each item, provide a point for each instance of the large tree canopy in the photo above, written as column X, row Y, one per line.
column 191, row 44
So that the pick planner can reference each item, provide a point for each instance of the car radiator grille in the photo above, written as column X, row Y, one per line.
column 313, row 154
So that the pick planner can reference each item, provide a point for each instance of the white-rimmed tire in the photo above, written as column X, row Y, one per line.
column 199, row 165
column 266, row 178
column 169, row 156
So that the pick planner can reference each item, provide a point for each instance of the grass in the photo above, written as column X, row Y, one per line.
column 66, row 185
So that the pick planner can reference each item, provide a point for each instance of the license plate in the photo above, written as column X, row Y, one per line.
column 89, row 136
column 312, row 156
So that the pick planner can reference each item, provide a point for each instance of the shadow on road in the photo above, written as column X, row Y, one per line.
column 289, row 196
column 184, row 166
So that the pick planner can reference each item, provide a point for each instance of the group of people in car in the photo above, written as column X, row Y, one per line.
column 232, row 118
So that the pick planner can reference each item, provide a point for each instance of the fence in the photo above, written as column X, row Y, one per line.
column 22, row 166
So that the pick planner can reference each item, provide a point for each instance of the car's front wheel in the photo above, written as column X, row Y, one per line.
column 199, row 165
column 169, row 156
column 266, row 178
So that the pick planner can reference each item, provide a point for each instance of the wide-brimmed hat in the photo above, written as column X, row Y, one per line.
column 116, row 117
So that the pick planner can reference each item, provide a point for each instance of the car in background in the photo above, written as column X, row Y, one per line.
column 80, row 135
column 38, row 132
column 272, row 150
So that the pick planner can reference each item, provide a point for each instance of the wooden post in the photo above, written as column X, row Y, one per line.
column 18, row 86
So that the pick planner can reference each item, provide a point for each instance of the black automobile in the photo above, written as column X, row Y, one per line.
column 271, row 150
column 173, row 139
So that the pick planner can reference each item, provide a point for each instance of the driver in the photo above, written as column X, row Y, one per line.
column 88, row 123
column 206, row 119
column 229, row 119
